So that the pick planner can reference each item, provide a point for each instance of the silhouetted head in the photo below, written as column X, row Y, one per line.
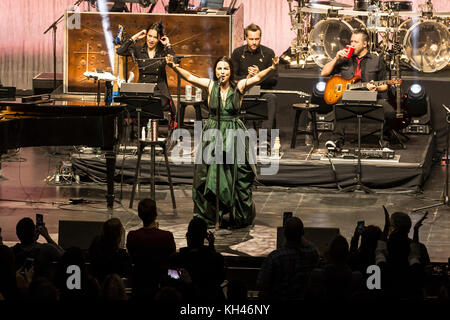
column 400, row 222
column 26, row 231
column 197, row 231
column 112, row 232
column 147, row 211
column 293, row 229
column 338, row 250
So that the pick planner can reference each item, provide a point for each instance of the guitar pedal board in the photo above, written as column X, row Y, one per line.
column 417, row 129
column 366, row 153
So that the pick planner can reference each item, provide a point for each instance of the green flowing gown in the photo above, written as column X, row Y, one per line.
column 236, row 177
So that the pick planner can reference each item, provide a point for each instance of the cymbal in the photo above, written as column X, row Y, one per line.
column 328, row 5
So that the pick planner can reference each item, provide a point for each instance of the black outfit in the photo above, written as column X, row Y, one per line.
column 206, row 269
column 242, row 58
column 373, row 68
column 151, row 71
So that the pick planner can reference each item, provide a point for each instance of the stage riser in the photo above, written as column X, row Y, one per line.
column 437, row 88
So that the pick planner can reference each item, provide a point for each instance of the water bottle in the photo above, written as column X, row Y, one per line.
column 188, row 93
column 198, row 94
column 143, row 133
column 276, row 147
column 308, row 138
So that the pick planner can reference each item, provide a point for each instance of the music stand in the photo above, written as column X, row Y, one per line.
column 359, row 111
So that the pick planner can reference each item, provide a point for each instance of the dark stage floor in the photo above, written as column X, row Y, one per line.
column 23, row 192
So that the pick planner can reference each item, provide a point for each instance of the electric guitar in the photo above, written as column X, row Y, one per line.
column 336, row 86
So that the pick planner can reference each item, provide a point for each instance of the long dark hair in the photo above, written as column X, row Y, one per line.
column 159, row 28
column 230, row 63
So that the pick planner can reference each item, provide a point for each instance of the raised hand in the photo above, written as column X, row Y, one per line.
column 417, row 227
column 170, row 61
column 165, row 41
column 387, row 222
column 141, row 34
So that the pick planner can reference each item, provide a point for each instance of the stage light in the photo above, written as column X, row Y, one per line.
column 415, row 89
column 325, row 114
column 320, row 87
column 417, row 101
column 418, row 106
column 317, row 98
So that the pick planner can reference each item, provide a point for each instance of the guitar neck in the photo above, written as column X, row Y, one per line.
column 364, row 84
column 300, row 93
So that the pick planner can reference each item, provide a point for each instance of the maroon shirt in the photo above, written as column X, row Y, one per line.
column 149, row 249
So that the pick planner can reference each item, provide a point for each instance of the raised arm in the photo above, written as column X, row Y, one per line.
column 245, row 84
column 186, row 75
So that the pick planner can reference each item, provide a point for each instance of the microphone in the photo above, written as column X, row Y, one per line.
column 221, row 79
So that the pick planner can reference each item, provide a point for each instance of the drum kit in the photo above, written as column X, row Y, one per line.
column 324, row 27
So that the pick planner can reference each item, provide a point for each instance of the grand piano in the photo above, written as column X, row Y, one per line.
column 26, row 122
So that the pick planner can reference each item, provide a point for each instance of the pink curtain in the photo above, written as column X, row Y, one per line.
column 25, row 51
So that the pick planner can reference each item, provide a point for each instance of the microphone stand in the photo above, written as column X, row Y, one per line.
column 217, row 165
column 445, row 197
column 53, row 27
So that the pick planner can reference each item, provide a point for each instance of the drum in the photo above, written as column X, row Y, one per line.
column 425, row 44
column 398, row 6
column 362, row 5
column 329, row 36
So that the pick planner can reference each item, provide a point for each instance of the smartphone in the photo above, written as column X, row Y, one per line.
column 286, row 216
column 39, row 220
column 173, row 274
column 360, row 227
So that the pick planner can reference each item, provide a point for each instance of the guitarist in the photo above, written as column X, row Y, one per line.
column 369, row 66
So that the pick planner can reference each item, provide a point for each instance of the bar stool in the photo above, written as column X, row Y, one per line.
column 312, row 109
column 141, row 145
column 197, row 106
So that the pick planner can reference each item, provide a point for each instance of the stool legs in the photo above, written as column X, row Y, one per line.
column 169, row 177
column 136, row 173
column 295, row 129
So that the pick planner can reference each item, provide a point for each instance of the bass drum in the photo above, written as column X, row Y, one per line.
column 331, row 35
column 425, row 44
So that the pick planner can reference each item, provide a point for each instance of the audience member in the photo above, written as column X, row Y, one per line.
column 402, row 259
column 149, row 248
column 204, row 265
column 113, row 288
column 364, row 256
column 29, row 247
column 43, row 289
column 105, row 254
column 285, row 272
column 76, row 283
column 335, row 281
column 8, row 286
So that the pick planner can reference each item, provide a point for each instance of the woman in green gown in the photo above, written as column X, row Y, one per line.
column 236, row 177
